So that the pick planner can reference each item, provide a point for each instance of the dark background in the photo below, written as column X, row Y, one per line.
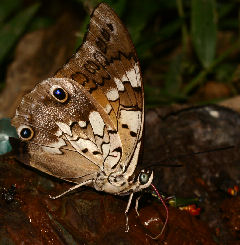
column 188, row 50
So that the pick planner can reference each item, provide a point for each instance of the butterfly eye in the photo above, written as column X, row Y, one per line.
column 59, row 94
column 26, row 133
column 143, row 178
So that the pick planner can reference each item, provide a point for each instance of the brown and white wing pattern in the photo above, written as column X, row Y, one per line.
column 106, row 65
column 88, row 118
column 61, row 136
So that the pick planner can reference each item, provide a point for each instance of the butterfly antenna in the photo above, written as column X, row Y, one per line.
column 161, row 164
column 166, row 208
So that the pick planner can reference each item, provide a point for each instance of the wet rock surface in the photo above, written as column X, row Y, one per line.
column 90, row 217
column 200, row 140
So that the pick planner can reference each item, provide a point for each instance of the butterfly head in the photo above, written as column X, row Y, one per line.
column 144, row 177
column 144, row 180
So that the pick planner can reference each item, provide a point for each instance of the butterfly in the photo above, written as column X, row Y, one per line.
column 85, row 124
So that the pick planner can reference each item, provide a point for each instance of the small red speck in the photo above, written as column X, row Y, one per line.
column 233, row 191
column 192, row 209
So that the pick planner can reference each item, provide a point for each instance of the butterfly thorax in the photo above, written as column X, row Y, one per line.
column 119, row 183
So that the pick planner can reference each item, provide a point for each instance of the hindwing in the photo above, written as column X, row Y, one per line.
column 99, row 126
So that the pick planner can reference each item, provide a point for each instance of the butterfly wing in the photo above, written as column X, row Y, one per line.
column 99, row 127
column 106, row 65
column 50, row 148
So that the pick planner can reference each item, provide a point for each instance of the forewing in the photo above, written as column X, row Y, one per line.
column 106, row 66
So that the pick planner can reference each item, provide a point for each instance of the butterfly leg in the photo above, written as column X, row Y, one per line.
column 126, row 211
column 136, row 205
column 71, row 189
